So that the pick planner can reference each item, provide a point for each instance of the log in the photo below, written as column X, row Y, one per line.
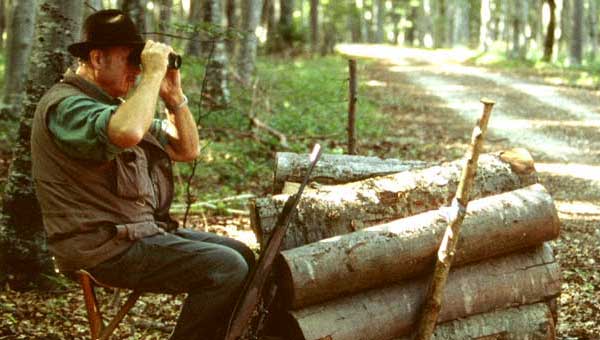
column 336, row 169
column 380, row 314
column 406, row 248
column 340, row 209
column 531, row 322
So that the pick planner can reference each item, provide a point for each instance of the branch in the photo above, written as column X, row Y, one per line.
column 433, row 302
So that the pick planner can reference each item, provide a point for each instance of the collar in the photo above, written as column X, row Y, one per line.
column 89, row 88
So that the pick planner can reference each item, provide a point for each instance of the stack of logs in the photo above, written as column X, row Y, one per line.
column 357, row 256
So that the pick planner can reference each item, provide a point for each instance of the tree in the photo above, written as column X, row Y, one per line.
column 232, row 27
column 379, row 37
column 137, row 11
column 577, row 38
column 24, row 256
column 314, row 25
column 593, row 28
column 286, row 24
column 217, row 91
column 3, row 10
column 195, row 19
column 549, row 40
column 164, row 21
column 475, row 22
column 20, row 40
column 251, row 12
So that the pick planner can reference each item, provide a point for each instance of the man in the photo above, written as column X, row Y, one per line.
column 102, row 170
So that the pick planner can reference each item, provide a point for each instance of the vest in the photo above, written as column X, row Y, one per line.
column 82, row 201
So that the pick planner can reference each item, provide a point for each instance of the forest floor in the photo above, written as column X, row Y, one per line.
column 432, row 100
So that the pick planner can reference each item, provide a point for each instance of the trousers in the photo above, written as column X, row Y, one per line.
column 211, row 269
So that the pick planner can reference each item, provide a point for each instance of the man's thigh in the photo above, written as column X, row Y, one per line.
column 171, row 263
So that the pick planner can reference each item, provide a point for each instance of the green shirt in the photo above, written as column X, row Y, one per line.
column 79, row 126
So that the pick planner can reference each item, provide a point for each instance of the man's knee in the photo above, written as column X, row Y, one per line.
column 233, row 269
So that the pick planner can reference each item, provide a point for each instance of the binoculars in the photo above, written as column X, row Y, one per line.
column 175, row 60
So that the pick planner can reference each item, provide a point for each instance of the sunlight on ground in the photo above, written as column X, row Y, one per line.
column 582, row 171
column 578, row 207
column 376, row 83
column 394, row 53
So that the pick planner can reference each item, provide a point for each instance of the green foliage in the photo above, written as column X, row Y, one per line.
column 305, row 99
column 559, row 72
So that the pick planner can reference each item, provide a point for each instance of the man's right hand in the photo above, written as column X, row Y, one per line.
column 155, row 58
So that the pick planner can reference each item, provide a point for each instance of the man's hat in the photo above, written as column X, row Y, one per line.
column 107, row 28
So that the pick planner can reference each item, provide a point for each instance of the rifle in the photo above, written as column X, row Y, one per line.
column 250, row 296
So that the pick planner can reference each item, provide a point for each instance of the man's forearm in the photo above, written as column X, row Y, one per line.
column 132, row 119
column 185, row 146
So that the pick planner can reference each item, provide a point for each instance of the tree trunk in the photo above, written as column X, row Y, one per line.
column 549, row 40
column 286, row 24
column 531, row 322
column 518, row 279
column 24, row 253
column 407, row 247
column 440, row 23
column 232, row 26
column 164, row 21
column 340, row 209
column 566, row 26
column 272, row 29
column 3, row 10
column 314, row 25
column 379, row 37
column 247, row 57
column 217, row 90
column 20, row 40
column 593, row 29
column 194, row 47
column 137, row 11
column 576, row 50
column 410, row 33
column 475, row 23
column 335, row 169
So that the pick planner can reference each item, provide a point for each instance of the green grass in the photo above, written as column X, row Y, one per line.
column 305, row 99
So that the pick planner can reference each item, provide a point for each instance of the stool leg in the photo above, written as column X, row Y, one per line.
column 108, row 330
column 91, row 305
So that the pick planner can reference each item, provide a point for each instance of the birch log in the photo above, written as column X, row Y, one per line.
column 406, row 248
column 380, row 314
column 336, row 169
column 529, row 322
column 340, row 209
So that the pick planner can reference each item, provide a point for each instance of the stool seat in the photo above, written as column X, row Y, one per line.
column 98, row 330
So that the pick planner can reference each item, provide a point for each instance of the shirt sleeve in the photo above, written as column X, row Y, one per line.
column 158, row 129
column 79, row 125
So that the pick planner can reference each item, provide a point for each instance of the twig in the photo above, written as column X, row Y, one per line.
column 188, row 191
column 433, row 301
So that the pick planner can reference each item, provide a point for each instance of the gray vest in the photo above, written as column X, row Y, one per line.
column 82, row 201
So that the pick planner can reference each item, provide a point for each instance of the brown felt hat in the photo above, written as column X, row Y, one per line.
column 106, row 28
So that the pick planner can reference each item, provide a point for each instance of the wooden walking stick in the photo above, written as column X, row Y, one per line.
column 457, row 212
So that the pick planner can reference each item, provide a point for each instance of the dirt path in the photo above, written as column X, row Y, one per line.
column 436, row 106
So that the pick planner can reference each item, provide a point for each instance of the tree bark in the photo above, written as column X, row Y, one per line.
column 217, row 90
column 592, row 25
column 20, row 41
column 3, row 10
column 518, row 279
column 577, row 37
column 340, row 209
column 531, row 322
column 286, row 25
column 137, row 11
column 164, row 21
column 232, row 26
column 336, row 169
column 549, row 40
column 314, row 25
column 24, row 256
column 407, row 247
column 379, row 38
column 247, row 57
column 194, row 47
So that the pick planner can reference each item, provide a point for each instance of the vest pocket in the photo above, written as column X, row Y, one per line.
column 132, row 177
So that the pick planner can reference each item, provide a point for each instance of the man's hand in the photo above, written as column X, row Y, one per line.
column 155, row 58
column 170, row 89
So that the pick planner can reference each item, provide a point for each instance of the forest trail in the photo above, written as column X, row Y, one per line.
column 559, row 125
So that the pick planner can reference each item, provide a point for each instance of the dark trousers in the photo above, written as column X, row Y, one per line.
column 211, row 269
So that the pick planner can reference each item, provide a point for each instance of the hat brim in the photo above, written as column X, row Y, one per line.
column 82, row 49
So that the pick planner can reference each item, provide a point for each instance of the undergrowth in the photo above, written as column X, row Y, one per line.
column 304, row 99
